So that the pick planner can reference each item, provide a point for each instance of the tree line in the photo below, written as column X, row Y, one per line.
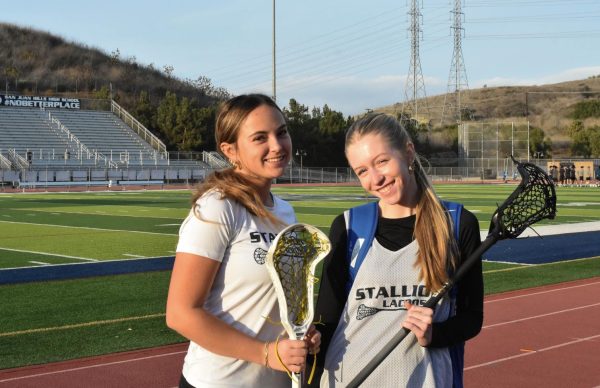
column 181, row 112
column 186, row 125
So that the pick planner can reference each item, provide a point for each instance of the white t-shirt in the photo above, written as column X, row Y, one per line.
column 242, row 294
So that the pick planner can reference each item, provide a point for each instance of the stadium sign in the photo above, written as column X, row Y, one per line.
column 40, row 102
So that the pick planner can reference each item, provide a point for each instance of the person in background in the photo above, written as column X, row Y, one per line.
column 572, row 179
column 365, row 298
column 221, row 296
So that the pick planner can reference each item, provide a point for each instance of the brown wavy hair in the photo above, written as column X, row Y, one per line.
column 438, row 249
column 228, row 182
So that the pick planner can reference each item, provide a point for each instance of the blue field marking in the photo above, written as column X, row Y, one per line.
column 547, row 249
column 530, row 250
column 83, row 270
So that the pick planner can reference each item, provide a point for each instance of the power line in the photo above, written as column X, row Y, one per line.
column 532, row 18
column 299, row 58
column 552, row 35
column 415, row 85
column 544, row 3
column 457, row 80
column 374, row 42
column 339, row 36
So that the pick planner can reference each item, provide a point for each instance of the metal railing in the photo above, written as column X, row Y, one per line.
column 5, row 163
column 294, row 174
column 81, row 148
column 214, row 159
column 17, row 160
column 140, row 129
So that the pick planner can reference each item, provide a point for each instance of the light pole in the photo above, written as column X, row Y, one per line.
column 274, row 66
column 301, row 154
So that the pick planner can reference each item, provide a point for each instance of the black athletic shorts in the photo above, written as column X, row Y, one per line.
column 183, row 383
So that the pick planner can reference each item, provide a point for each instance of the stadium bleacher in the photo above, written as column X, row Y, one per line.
column 44, row 147
column 26, row 130
column 105, row 133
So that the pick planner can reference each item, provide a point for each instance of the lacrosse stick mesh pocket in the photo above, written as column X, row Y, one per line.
column 533, row 200
column 296, row 249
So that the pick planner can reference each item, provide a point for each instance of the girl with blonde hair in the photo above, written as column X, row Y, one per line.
column 376, row 282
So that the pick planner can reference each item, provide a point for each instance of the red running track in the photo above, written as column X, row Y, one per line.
column 148, row 368
column 540, row 337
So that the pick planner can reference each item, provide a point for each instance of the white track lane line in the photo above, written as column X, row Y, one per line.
column 534, row 352
column 91, row 366
column 541, row 292
column 533, row 317
column 540, row 316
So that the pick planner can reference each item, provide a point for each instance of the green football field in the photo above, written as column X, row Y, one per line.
column 56, row 320
column 50, row 228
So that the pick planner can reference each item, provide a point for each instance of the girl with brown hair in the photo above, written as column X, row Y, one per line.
column 221, row 296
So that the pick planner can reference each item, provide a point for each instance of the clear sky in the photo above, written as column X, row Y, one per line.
column 350, row 54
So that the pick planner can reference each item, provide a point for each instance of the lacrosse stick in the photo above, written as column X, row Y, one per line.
column 533, row 200
column 291, row 262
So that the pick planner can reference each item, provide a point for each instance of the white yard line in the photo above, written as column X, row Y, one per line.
column 95, row 214
column 506, row 262
column 87, row 228
column 93, row 261
column 47, row 254
column 549, row 230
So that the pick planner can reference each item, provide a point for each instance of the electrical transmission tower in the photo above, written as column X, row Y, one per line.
column 415, row 86
column 457, row 80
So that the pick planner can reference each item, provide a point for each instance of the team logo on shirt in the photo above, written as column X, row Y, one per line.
column 256, row 237
column 392, row 298
column 260, row 255
column 366, row 311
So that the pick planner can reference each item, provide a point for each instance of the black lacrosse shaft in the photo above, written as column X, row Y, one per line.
column 431, row 302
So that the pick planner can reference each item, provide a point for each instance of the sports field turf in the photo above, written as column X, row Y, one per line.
column 50, row 321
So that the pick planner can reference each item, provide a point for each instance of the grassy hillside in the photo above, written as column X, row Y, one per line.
column 179, row 111
column 549, row 107
column 37, row 62
column 40, row 63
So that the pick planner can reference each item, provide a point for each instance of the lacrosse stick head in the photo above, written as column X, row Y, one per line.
column 533, row 200
column 291, row 262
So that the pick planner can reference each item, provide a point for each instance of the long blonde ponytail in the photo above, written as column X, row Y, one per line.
column 433, row 229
